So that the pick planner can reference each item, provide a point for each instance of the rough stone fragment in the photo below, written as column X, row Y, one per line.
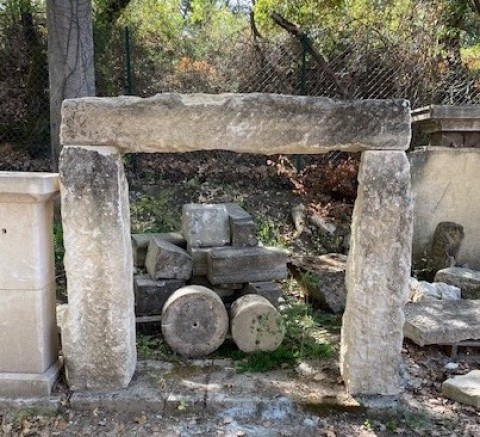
column 378, row 272
column 466, row 279
column 151, row 295
column 98, row 264
column 242, row 226
column 464, row 388
column 199, row 259
column 205, row 225
column 244, row 123
column 164, row 260
column 255, row 324
column 269, row 290
column 194, row 321
column 227, row 292
column 447, row 240
column 248, row 264
column 140, row 244
column 442, row 322
column 324, row 279
column 422, row 290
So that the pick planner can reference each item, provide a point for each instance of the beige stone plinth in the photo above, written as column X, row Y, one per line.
column 29, row 385
column 26, row 237
column 28, row 333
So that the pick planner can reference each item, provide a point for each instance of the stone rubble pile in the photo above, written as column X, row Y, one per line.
column 193, row 278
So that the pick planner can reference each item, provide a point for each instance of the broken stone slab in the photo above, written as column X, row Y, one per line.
column 151, row 295
column 194, row 321
column 199, row 258
column 269, row 290
column 98, row 265
column 466, row 279
column 255, row 324
column 247, row 264
column 244, row 123
column 242, row 226
column 205, row 225
column 164, row 260
column 442, row 322
column 140, row 244
column 464, row 388
column 447, row 240
column 323, row 278
column 377, row 276
column 422, row 290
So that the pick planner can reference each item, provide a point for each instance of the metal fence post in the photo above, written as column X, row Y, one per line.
column 128, row 87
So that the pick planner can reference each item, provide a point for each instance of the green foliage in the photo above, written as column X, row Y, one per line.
column 154, row 213
column 154, row 348
column 267, row 231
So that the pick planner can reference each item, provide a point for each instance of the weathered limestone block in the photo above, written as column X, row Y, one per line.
column 244, row 123
column 466, row 279
column 151, row 295
column 377, row 278
column 247, row 264
column 269, row 290
column 140, row 244
column 164, row 260
column 255, row 324
column 242, row 226
column 464, row 388
column 324, row 279
column 205, row 225
column 422, row 290
column 442, row 322
column 99, row 327
column 194, row 321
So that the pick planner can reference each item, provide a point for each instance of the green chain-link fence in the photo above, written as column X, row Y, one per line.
column 363, row 66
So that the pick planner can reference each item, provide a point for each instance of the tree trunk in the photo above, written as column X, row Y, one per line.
column 70, row 59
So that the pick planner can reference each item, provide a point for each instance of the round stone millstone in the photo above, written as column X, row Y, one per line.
column 255, row 324
column 194, row 321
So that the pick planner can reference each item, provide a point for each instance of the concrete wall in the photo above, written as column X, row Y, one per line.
column 446, row 187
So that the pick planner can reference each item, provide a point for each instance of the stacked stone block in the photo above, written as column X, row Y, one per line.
column 217, row 251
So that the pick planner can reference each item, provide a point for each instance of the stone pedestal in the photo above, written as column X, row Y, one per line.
column 29, row 362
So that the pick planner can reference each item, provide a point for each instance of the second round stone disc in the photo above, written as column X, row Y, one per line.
column 194, row 321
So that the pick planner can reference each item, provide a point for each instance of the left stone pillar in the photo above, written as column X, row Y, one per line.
column 29, row 363
column 98, row 333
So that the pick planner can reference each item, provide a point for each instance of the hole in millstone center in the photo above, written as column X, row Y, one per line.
column 195, row 324
column 4, row 231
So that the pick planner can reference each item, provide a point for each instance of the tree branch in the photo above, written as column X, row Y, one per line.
column 303, row 37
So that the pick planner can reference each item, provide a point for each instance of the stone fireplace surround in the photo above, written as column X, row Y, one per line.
column 99, row 326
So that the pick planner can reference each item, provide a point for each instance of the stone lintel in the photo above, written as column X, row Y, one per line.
column 244, row 123
column 377, row 276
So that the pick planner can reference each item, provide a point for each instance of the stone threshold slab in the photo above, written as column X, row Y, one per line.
column 29, row 385
column 442, row 322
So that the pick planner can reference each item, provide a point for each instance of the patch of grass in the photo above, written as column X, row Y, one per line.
column 154, row 348
column 268, row 232
column 151, row 213
column 416, row 422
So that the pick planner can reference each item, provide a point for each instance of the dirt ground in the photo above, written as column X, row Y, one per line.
column 268, row 188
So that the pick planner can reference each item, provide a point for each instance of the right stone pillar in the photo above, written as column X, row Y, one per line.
column 378, row 271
